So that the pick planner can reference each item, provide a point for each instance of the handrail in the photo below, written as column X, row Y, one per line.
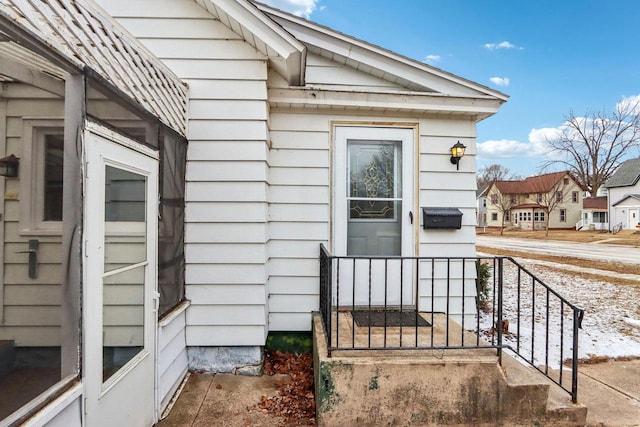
column 512, row 293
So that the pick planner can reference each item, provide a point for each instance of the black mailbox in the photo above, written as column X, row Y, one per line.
column 441, row 218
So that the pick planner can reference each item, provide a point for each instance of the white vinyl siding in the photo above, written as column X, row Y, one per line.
column 323, row 72
column 172, row 357
column 442, row 186
column 227, row 166
column 298, row 216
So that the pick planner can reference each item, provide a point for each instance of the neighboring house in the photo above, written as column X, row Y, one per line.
column 481, row 207
column 594, row 215
column 551, row 200
column 624, row 196
column 281, row 117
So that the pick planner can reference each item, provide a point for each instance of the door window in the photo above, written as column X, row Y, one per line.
column 374, row 180
column 124, row 266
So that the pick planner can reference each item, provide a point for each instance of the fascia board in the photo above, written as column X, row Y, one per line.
column 377, row 57
column 434, row 103
column 269, row 32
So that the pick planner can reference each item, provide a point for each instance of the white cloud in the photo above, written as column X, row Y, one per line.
column 508, row 148
column 500, row 81
column 432, row 58
column 502, row 45
column 303, row 8
column 629, row 105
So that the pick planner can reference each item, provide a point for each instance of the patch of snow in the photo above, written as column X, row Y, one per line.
column 609, row 328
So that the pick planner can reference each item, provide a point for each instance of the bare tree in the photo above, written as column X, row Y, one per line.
column 550, row 201
column 591, row 147
column 494, row 172
column 503, row 204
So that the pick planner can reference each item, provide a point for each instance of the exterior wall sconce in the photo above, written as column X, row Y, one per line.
column 9, row 166
column 457, row 151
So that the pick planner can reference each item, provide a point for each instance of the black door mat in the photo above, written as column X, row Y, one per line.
column 393, row 318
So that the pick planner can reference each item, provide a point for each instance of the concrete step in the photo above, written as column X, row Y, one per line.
column 7, row 356
column 405, row 387
column 559, row 410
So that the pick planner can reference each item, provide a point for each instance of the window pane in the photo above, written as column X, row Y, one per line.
column 373, row 168
column 54, row 155
column 125, row 218
column 123, row 319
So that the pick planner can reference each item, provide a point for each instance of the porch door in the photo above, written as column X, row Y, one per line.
column 374, row 215
column 120, row 231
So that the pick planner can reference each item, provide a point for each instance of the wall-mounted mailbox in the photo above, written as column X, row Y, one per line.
column 450, row 218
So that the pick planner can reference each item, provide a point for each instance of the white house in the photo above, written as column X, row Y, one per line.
column 481, row 207
column 624, row 196
column 285, row 123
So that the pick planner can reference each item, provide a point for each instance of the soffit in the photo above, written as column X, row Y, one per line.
column 412, row 103
column 76, row 34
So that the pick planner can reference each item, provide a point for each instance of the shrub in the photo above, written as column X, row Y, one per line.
column 483, row 274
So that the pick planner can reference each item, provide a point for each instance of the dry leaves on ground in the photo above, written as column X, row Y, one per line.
column 295, row 400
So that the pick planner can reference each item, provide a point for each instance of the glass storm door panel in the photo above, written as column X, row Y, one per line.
column 374, row 199
column 373, row 217
column 120, row 280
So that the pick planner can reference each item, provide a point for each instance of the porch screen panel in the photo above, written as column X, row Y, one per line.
column 173, row 160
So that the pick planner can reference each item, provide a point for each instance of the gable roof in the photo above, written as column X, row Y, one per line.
column 628, row 196
column 341, row 48
column 58, row 38
column 534, row 184
column 627, row 174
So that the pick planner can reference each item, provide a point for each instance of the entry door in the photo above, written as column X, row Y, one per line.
column 633, row 218
column 119, row 311
column 374, row 215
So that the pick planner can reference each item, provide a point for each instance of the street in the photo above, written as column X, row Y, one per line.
column 595, row 251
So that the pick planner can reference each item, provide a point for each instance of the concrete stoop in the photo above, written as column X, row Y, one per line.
column 433, row 388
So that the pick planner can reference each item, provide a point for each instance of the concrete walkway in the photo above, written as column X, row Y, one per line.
column 224, row 400
column 611, row 392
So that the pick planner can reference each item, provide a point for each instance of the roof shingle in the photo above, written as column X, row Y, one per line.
column 627, row 174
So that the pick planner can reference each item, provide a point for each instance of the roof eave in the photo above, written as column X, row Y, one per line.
column 416, row 102
column 290, row 51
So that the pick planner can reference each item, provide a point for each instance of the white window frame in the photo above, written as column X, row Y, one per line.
column 32, row 177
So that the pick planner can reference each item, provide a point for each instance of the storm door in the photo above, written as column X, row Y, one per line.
column 120, row 231
column 374, row 215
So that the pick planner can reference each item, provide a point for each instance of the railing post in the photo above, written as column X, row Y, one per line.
column 498, row 326
column 574, row 360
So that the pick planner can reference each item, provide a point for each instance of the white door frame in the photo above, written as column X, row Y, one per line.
column 407, row 136
column 128, row 397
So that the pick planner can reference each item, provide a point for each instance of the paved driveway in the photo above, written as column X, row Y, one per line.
column 601, row 252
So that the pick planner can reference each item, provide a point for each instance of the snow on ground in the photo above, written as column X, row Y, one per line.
column 611, row 325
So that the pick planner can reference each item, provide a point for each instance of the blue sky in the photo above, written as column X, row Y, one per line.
column 550, row 57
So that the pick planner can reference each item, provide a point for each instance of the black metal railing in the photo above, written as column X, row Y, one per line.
column 460, row 303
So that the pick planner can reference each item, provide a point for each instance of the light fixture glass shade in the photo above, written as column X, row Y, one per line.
column 457, row 150
column 9, row 166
